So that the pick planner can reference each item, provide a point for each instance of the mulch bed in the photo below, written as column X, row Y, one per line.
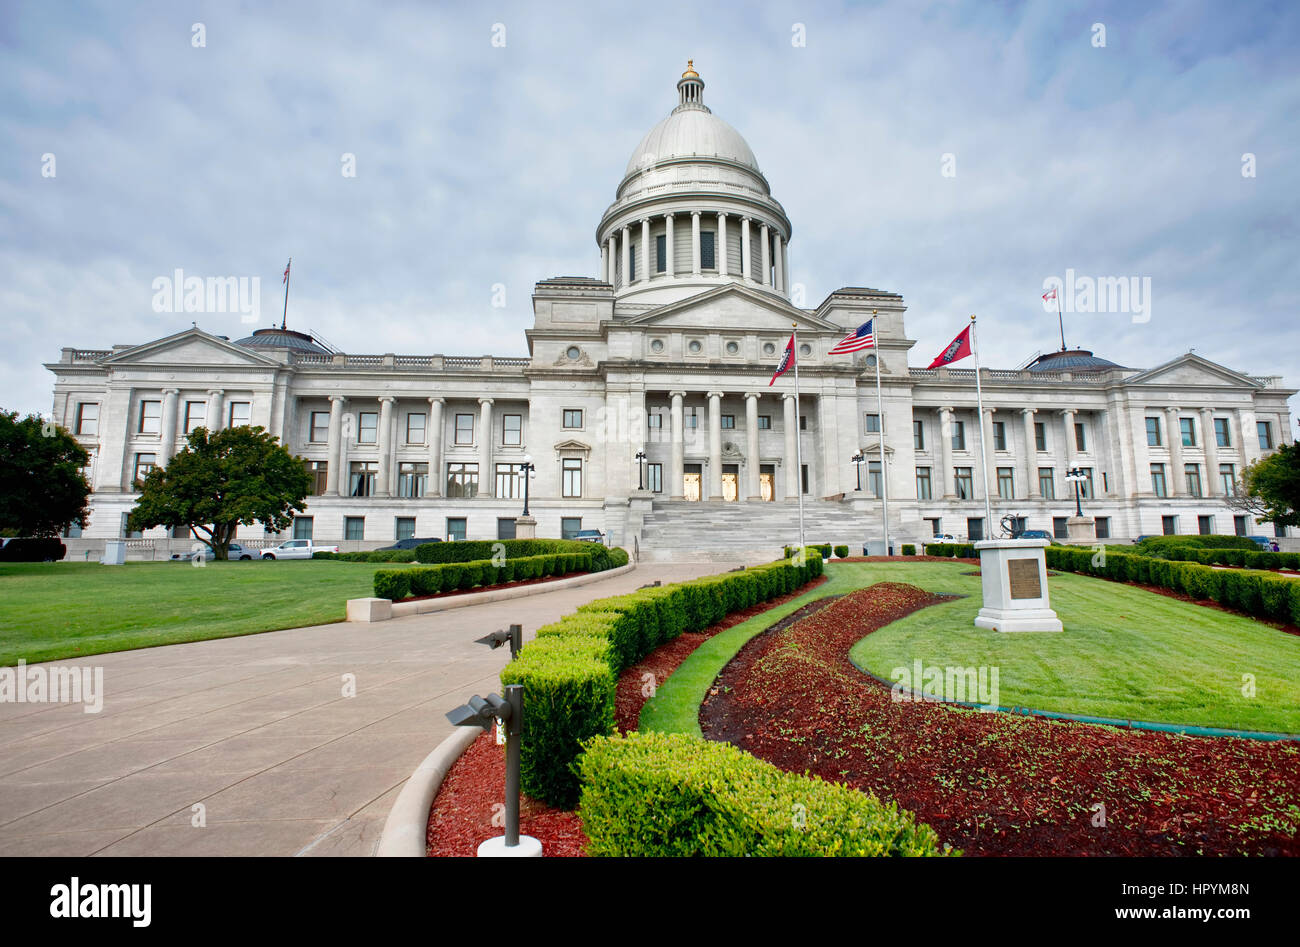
column 993, row 783
column 472, row 793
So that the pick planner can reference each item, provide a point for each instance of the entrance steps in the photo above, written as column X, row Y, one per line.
column 711, row 530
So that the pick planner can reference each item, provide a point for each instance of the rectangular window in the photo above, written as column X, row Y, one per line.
column 1040, row 436
column 936, row 525
column 691, row 418
column 965, row 485
column 570, row 526
column 1188, row 428
column 999, row 435
column 150, row 417
column 1105, row 482
column 923, row 483
column 462, row 480
column 361, row 478
column 412, row 479
column 918, row 435
column 238, row 414
column 509, row 481
column 1086, row 489
column 320, row 427
column 1158, row 480
column 195, row 415
column 1265, row 435
column 1102, row 524
column 661, row 256
column 1169, row 525
column 456, row 528
column 1222, row 432
column 1006, row 483
column 571, row 477
column 873, row 424
column 573, row 417
column 975, row 529
column 803, row 478
column 1060, row 527
column 1227, row 479
column 415, row 427
column 958, row 435
column 1080, row 439
column 1193, row 479
column 302, row 527
column 631, row 264
column 655, row 421
column 803, row 422
column 88, row 418
column 1279, row 531
column 1047, row 482
column 728, row 422
column 404, row 527
column 512, row 430
column 873, row 477
column 765, row 422
column 319, row 470
column 707, row 261
column 655, row 477
column 354, row 527
column 1205, row 525
column 367, row 427
column 143, row 464
column 506, row 527
column 464, row 429
column 1239, row 525
column 1153, row 432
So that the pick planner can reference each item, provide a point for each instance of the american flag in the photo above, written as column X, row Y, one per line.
column 286, row 272
column 863, row 337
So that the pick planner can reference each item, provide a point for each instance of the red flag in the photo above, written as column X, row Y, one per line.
column 957, row 349
column 1051, row 295
column 786, row 361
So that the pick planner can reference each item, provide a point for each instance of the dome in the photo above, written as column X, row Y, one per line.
column 1071, row 360
column 277, row 338
column 691, row 132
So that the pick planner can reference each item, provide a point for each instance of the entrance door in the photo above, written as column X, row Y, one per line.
column 691, row 481
column 731, row 481
column 767, row 485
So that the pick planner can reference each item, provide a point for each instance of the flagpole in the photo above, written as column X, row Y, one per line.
column 284, row 319
column 1059, row 320
column 979, row 401
column 798, row 440
column 880, row 410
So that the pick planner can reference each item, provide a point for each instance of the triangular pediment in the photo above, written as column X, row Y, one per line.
column 732, row 307
column 572, row 444
column 1192, row 370
column 189, row 348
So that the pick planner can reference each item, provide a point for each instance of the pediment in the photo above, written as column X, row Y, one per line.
column 1192, row 371
column 193, row 347
column 572, row 445
column 732, row 307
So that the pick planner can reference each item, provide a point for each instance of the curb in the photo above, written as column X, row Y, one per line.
column 424, row 607
column 406, row 830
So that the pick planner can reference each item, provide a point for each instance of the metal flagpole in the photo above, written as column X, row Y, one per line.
column 284, row 319
column 880, row 409
column 1059, row 320
column 979, row 401
column 798, row 441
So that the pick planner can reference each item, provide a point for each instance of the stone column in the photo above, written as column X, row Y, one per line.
column 722, row 244
column 785, row 266
column 1067, row 417
column 1177, row 478
column 1248, row 439
column 167, row 432
column 487, row 476
column 947, row 475
column 678, row 431
column 626, row 250
column 335, row 483
column 645, row 249
column 695, row 242
column 610, row 274
column 780, row 263
column 991, row 469
column 604, row 262
column 1031, row 455
column 216, row 402
column 1211, row 480
column 792, row 484
column 744, row 248
column 753, row 489
column 715, row 445
column 434, row 434
column 384, row 479
column 766, row 251
column 668, row 245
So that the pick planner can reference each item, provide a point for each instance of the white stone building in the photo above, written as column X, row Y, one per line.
column 668, row 351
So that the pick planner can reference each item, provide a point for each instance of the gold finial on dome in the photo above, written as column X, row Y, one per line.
column 690, row 72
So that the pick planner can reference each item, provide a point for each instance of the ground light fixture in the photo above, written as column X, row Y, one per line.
column 485, row 712
column 513, row 636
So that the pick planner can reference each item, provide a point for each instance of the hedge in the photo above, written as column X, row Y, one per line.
column 374, row 555
column 1250, row 559
column 952, row 550
column 841, row 552
column 909, row 549
column 1153, row 543
column 397, row 584
column 573, row 664
column 654, row 794
column 472, row 550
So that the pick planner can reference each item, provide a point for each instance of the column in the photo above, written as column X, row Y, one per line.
column 678, row 470
column 780, row 264
column 991, row 469
column 744, row 248
column 766, row 251
column 604, row 262
column 722, row 244
column 791, row 462
column 1176, row 479
column 752, row 488
column 335, row 483
column 434, row 434
column 1211, row 476
column 626, row 249
column 695, row 242
column 1031, row 455
column 167, row 433
column 216, row 403
column 384, row 478
column 1248, row 438
column 785, row 266
column 715, row 445
column 486, row 477
column 947, row 475
column 668, row 244
column 1067, row 417
column 645, row 249
column 610, row 274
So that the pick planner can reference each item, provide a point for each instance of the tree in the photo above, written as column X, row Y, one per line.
column 1270, row 488
column 42, row 487
column 237, row 476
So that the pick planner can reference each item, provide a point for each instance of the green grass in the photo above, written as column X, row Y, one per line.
column 1125, row 653
column 72, row 609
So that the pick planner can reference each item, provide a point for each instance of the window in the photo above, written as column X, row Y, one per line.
column 873, row 424
column 655, row 421
column 150, row 417
column 354, row 527
column 368, row 427
column 1222, row 432
column 1279, row 531
column 873, row 477
column 661, row 257
column 1105, row 482
column 691, row 417
column 999, row 435
column 765, row 422
column 1006, row 483
column 571, row 477
column 1047, row 482
column 1040, row 436
column 958, row 435
column 1265, row 435
column 143, row 464
column 320, row 427
column 1102, row 524
column 965, row 485
column 936, row 525
column 570, row 526
column 1193, row 472
column 572, row 417
column 803, row 478
column 918, row 435
column 302, row 527
column 975, row 529
column 465, row 429
column 456, row 528
column 803, row 422
column 1239, row 525
column 506, row 527
column 1086, row 489
column 707, row 261
column 462, row 480
column 1227, row 479
column 238, row 414
column 415, row 427
column 361, row 478
column 74, row 530
column 655, row 478
column 1153, row 432
column 1158, row 480
column 1060, row 527
column 1205, row 525
column 631, row 264
column 1188, row 428
column 412, row 479
column 1169, row 525
column 509, row 481
column 923, row 483
column 195, row 415
column 88, row 419
column 512, row 430
column 319, row 471
column 404, row 527
column 728, row 422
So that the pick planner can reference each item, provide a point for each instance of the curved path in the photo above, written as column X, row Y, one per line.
column 254, row 737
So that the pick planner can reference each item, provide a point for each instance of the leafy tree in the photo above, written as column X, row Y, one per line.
column 237, row 476
column 42, row 487
column 1270, row 488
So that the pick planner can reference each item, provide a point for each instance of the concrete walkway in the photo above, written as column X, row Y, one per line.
column 254, row 737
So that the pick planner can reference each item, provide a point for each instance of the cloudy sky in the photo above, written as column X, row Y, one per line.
column 481, row 163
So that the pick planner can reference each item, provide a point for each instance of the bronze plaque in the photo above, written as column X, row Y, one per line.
column 1024, row 579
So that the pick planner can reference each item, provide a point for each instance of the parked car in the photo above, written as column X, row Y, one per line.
column 408, row 544
column 589, row 536
column 1036, row 534
column 236, row 552
column 1263, row 542
column 296, row 549
column 944, row 538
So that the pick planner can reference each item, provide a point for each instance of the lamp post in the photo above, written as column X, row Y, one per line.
column 528, row 468
column 1078, row 478
column 640, row 469
column 858, row 460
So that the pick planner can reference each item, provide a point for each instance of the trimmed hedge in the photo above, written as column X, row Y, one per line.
column 909, row 549
column 952, row 550
column 374, row 555
column 1154, row 545
column 654, row 794
column 605, row 637
column 472, row 550
column 397, row 584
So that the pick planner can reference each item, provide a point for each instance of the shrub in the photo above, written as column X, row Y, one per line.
column 1158, row 545
column 652, row 794
column 909, row 549
column 841, row 552
column 1275, row 597
column 618, row 557
column 393, row 584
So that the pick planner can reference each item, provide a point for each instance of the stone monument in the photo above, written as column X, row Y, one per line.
column 1014, row 578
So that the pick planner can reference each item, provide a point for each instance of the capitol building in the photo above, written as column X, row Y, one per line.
column 645, row 409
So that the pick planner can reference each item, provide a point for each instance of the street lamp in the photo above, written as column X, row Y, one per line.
column 858, row 460
column 1078, row 478
column 640, row 469
column 529, row 470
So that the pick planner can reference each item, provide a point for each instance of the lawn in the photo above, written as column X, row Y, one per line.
column 1125, row 653
column 72, row 609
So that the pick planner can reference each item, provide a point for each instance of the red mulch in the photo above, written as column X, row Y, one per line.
column 994, row 783
column 462, row 813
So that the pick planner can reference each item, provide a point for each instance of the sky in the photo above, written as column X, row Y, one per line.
column 960, row 154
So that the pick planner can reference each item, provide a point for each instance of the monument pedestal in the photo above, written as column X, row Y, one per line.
column 1081, row 528
column 1013, row 573
column 525, row 528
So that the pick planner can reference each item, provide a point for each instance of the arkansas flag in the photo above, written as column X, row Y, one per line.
column 957, row 349
column 786, row 361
